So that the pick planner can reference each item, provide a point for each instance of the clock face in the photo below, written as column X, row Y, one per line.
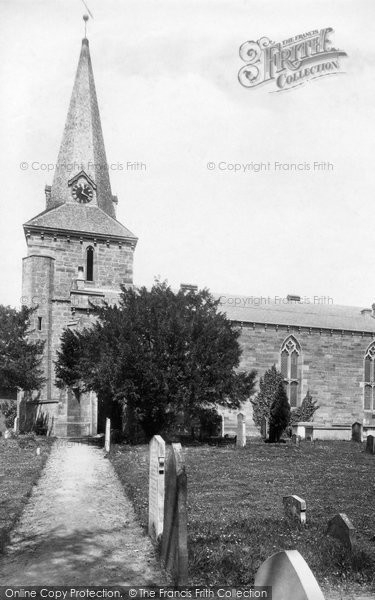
column 82, row 192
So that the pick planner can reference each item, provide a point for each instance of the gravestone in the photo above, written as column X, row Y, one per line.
column 222, row 426
column 15, row 426
column 174, row 539
column 6, row 434
column 264, row 428
column 241, row 430
column 370, row 444
column 341, row 528
column 290, row 577
column 107, row 440
column 357, row 432
column 38, row 451
column 296, row 439
column 295, row 508
column 156, row 487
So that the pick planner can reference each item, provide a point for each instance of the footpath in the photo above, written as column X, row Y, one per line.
column 78, row 528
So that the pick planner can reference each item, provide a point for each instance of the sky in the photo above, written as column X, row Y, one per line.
column 169, row 96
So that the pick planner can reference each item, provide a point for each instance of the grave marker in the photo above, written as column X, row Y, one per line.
column 341, row 528
column 357, row 430
column 15, row 426
column 295, row 508
column 296, row 439
column 156, row 487
column 290, row 577
column 107, row 440
column 174, row 539
column 222, row 426
column 264, row 428
column 241, row 430
column 370, row 444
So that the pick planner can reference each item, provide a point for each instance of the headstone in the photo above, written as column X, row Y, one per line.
column 296, row 439
column 290, row 577
column 38, row 451
column 174, row 553
column 295, row 508
column 156, row 487
column 15, row 426
column 241, row 430
column 341, row 528
column 357, row 430
column 264, row 428
column 222, row 426
column 370, row 444
column 6, row 434
column 107, row 441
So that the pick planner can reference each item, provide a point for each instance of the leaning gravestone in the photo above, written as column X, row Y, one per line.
column 357, row 432
column 241, row 430
column 107, row 440
column 370, row 444
column 289, row 576
column 295, row 508
column 174, row 553
column 341, row 528
column 156, row 487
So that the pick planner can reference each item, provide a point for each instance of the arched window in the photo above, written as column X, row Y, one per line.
column 90, row 264
column 369, row 369
column 290, row 361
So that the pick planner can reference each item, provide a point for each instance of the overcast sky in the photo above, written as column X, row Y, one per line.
column 166, row 79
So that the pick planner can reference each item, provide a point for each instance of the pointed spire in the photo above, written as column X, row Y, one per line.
column 82, row 151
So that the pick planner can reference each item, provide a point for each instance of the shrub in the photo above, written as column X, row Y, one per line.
column 279, row 414
column 306, row 411
column 9, row 410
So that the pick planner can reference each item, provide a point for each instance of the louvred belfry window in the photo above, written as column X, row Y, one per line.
column 369, row 397
column 291, row 369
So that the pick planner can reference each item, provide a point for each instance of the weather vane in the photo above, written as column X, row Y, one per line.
column 86, row 17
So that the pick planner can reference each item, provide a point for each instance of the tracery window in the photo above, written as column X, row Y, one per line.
column 369, row 376
column 290, row 361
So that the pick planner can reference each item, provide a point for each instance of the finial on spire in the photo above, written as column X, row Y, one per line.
column 85, row 18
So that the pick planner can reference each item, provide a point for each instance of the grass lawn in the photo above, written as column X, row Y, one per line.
column 235, row 518
column 20, row 468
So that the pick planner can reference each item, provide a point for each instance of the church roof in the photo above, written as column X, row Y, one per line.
column 321, row 315
column 80, row 218
column 82, row 147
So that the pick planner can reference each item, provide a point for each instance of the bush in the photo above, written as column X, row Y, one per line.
column 9, row 410
column 306, row 411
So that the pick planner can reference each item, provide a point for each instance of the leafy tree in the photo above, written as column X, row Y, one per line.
column 279, row 414
column 306, row 411
column 268, row 387
column 20, row 357
column 159, row 354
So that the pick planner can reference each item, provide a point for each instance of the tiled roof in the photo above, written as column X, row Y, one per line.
column 304, row 314
column 80, row 218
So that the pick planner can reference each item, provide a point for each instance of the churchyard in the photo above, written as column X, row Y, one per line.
column 238, row 514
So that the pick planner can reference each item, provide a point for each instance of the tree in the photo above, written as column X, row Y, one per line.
column 20, row 357
column 159, row 354
column 306, row 411
column 268, row 387
column 279, row 414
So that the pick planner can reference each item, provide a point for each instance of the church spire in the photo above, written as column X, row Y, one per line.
column 82, row 172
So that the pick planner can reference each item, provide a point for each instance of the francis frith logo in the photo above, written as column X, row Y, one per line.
column 289, row 63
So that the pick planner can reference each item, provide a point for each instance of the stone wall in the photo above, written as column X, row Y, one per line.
column 332, row 370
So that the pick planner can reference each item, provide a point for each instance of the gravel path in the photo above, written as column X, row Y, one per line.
column 78, row 528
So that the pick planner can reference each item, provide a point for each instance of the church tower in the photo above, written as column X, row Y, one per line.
column 78, row 253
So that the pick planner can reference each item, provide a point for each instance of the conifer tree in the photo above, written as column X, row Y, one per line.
column 263, row 400
column 279, row 414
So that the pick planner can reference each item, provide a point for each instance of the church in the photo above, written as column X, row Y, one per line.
column 78, row 253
